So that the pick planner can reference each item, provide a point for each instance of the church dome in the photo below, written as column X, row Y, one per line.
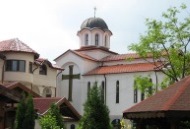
column 94, row 22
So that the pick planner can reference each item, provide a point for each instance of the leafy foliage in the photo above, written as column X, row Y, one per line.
column 166, row 42
column 25, row 114
column 96, row 113
column 48, row 122
column 53, row 119
column 144, row 84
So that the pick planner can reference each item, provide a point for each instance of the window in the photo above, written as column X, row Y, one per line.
column 86, row 39
column 47, row 92
column 135, row 93
column 142, row 96
column 30, row 67
column 88, row 88
column 96, row 39
column 117, row 92
column 15, row 65
column 72, row 126
column 150, row 90
column 102, row 92
column 106, row 41
column 43, row 70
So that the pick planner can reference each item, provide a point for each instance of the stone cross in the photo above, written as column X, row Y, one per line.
column 70, row 77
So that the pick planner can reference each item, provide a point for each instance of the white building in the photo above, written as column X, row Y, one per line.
column 93, row 63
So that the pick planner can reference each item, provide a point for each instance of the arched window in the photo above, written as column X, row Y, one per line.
column 135, row 93
column 43, row 70
column 96, row 39
column 106, row 41
column 47, row 92
column 72, row 126
column 117, row 92
column 88, row 88
column 150, row 90
column 86, row 39
column 102, row 91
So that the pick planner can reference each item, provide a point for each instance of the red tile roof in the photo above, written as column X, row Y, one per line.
column 15, row 45
column 173, row 98
column 41, row 61
column 121, row 57
column 127, row 68
column 80, row 54
column 14, row 85
column 42, row 105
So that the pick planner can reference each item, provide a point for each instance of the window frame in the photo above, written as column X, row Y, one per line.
column 15, row 65
column 43, row 71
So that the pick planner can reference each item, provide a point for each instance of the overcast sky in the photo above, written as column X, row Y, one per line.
column 50, row 26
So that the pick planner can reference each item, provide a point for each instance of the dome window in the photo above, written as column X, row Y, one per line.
column 106, row 41
column 86, row 39
column 96, row 39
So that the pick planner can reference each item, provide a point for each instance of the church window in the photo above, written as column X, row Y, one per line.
column 106, row 41
column 102, row 91
column 72, row 126
column 88, row 88
column 117, row 92
column 47, row 92
column 30, row 67
column 86, row 39
column 96, row 39
column 135, row 93
column 150, row 90
column 142, row 96
column 15, row 65
column 43, row 70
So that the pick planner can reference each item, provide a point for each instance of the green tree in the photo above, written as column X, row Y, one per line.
column 96, row 113
column 29, row 120
column 49, row 122
column 25, row 114
column 53, row 119
column 144, row 84
column 167, row 41
column 20, row 115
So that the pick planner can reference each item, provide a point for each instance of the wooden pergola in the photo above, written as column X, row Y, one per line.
column 167, row 109
column 7, row 101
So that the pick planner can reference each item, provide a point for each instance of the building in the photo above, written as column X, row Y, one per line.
column 20, row 63
column 94, row 63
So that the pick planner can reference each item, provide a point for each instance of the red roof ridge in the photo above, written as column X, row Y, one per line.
column 177, row 94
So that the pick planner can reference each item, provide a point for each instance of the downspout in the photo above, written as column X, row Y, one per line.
column 57, row 79
column 3, row 57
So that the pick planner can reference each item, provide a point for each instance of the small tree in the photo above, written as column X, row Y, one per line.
column 25, row 114
column 53, row 119
column 96, row 113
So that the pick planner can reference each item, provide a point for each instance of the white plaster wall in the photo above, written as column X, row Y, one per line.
column 19, row 76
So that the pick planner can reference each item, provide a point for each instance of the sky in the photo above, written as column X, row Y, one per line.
column 50, row 26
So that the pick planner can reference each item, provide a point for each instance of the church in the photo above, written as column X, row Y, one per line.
column 94, row 63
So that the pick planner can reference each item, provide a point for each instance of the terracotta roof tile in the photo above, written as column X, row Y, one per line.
column 43, row 104
column 78, row 53
column 173, row 98
column 41, row 61
column 121, row 57
column 127, row 68
column 15, row 45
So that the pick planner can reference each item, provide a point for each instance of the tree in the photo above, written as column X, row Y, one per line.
column 53, row 119
column 49, row 122
column 25, row 114
column 96, row 113
column 144, row 84
column 167, row 43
